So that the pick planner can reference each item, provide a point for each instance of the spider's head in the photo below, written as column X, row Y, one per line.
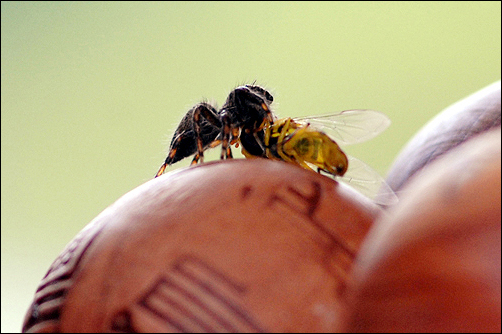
column 249, row 105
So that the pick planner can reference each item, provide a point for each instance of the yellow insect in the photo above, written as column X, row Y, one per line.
column 305, row 142
column 299, row 143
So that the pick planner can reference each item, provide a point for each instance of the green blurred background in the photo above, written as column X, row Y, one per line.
column 92, row 92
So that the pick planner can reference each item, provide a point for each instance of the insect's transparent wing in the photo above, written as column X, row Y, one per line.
column 349, row 126
column 367, row 181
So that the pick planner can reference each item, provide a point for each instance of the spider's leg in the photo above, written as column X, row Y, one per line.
column 215, row 143
column 203, row 110
column 226, row 131
column 196, row 158
column 170, row 156
column 229, row 152
column 236, row 132
column 161, row 170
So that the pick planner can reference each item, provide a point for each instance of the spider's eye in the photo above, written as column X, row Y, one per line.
column 269, row 97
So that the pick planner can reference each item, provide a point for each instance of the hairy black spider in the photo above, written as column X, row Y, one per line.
column 247, row 109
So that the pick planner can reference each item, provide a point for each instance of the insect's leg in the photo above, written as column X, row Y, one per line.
column 265, row 126
column 210, row 115
column 235, row 136
column 202, row 110
column 215, row 143
column 264, row 147
column 285, row 129
column 270, row 116
column 226, row 151
column 170, row 156
column 198, row 138
column 196, row 158
column 161, row 170
column 266, row 139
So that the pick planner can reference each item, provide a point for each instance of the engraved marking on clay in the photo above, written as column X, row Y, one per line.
column 195, row 297
column 50, row 296
column 306, row 203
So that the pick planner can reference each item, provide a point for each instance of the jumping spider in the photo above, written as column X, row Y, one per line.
column 246, row 110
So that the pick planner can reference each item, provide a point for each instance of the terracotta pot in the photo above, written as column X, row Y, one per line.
column 239, row 246
column 433, row 262
column 456, row 124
